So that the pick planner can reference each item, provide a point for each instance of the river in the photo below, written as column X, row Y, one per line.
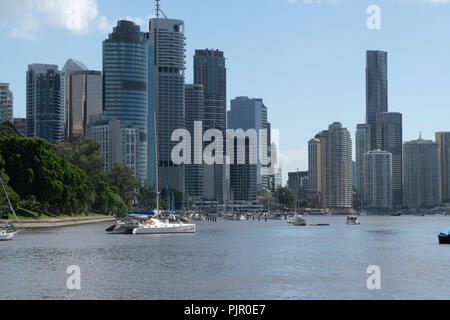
column 234, row 260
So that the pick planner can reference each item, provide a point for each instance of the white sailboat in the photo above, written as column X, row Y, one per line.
column 7, row 231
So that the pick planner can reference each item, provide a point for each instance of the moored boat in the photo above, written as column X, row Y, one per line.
column 353, row 221
column 299, row 221
column 444, row 236
column 7, row 234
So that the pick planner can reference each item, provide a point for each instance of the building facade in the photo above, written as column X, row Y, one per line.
column 119, row 144
column 421, row 174
column 6, row 103
column 377, row 180
column 315, row 170
column 126, row 86
column 376, row 90
column 298, row 182
column 43, row 102
column 167, row 38
column 390, row 138
column 21, row 125
column 443, row 140
column 363, row 145
column 336, row 155
column 83, row 96
column 210, row 72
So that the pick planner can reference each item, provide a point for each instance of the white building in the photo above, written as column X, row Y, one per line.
column 6, row 103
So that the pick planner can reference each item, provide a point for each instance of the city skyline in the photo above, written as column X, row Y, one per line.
column 302, row 91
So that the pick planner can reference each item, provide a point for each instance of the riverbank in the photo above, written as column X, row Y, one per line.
column 57, row 223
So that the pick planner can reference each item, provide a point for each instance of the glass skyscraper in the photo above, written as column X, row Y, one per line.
column 126, row 86
column 43, row 102
column 376, row 90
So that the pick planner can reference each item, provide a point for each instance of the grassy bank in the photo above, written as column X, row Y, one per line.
column 26, row 215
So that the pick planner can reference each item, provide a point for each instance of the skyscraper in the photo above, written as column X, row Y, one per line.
column 376, row 90
column 389, row 128
column 194, row 172
column 363, row 145
column 336, row 155
column 377, row 180
column 168, row 40
column 443, row 140
column 70, row 67
column 421, row 174
column 126, row 86
column 83, row 99
column 6, row 103
column 210, row 71
column 43, row 102
column 315, row 169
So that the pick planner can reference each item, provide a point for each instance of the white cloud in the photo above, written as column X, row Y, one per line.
column 27, row 18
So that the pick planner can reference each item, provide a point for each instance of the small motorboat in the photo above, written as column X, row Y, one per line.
column 353, row 221
column 444, row 236
column 299, row 221
column 7, row 234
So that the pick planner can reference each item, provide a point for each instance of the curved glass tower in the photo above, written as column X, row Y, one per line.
column 126, row 85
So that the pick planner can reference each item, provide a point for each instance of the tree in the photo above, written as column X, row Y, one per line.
column 8, row 129
column 36, row 170
column 122, row 178
column 107, row 201
column 85, row 154
column 286, row 197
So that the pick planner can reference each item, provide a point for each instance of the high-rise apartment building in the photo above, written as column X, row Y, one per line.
column 421, row 174
column 83, row 96
column 126, row 87
column 377, row 180
column 43, row 102
column 315, row 169
column 443, row 140
column 6, row 103
column 168, row 40
column 336, row 155
column 376, row 90
column 389, row 129
column 363, row 145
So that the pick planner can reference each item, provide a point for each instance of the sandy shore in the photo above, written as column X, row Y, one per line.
column 55, row 223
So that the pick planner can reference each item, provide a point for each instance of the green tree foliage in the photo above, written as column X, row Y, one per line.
column 36, row 170
column 85, row 154
column 285, row 197
column 8, row 129
column 107, row 201
column 122, row 178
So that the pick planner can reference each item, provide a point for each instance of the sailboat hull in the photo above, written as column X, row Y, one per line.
column 187, row 228
column 7, row 236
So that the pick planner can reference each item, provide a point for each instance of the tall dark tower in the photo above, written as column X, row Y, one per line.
column 210, row 71
column 376, row 90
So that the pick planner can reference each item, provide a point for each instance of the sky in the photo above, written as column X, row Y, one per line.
column 305, row 58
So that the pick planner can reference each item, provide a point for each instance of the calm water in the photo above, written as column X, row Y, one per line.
column 234, row 260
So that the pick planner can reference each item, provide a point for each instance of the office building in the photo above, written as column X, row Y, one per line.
column 443, row 141
column 421, row 174
column 69, row 67
column 84, row 99
column 298, row 182
column 210, row 72
column 126, row 86
column 315, row 169
column 43, row 102
column 377, row 180
column 21, row 125
column 119, row 143
column 168, row 40
column 6, row 103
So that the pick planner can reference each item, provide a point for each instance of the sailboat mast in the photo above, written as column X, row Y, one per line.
column 7, row 197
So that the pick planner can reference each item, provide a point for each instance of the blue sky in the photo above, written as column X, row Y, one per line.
column 305, row 58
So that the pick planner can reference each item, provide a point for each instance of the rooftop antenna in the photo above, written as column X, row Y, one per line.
column 158, row 10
